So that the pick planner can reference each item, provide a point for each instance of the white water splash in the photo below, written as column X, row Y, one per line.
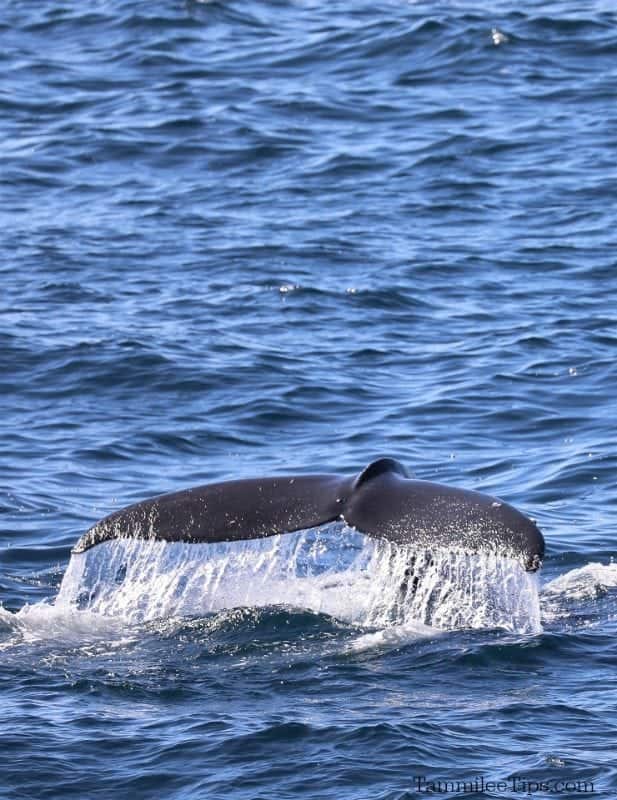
column 332, row 569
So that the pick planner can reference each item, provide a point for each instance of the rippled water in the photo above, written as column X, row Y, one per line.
column 254, row 238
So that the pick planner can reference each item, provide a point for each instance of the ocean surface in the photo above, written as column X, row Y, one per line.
column 257, row 238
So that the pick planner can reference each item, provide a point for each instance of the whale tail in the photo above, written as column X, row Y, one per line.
column 382, row 502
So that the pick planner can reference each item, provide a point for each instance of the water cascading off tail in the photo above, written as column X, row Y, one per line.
column 332, row 569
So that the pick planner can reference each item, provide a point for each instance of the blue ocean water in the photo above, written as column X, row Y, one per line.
column 249, row 238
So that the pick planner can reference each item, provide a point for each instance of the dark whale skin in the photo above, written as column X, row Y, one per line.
column 382, row 502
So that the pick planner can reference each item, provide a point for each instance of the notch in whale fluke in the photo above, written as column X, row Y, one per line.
column 382, row 502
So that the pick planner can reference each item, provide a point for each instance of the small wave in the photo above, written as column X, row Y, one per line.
column 591, row 581
column 393, row 638
column 583, row 597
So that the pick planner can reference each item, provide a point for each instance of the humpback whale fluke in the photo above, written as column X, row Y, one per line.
column 382, row 502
